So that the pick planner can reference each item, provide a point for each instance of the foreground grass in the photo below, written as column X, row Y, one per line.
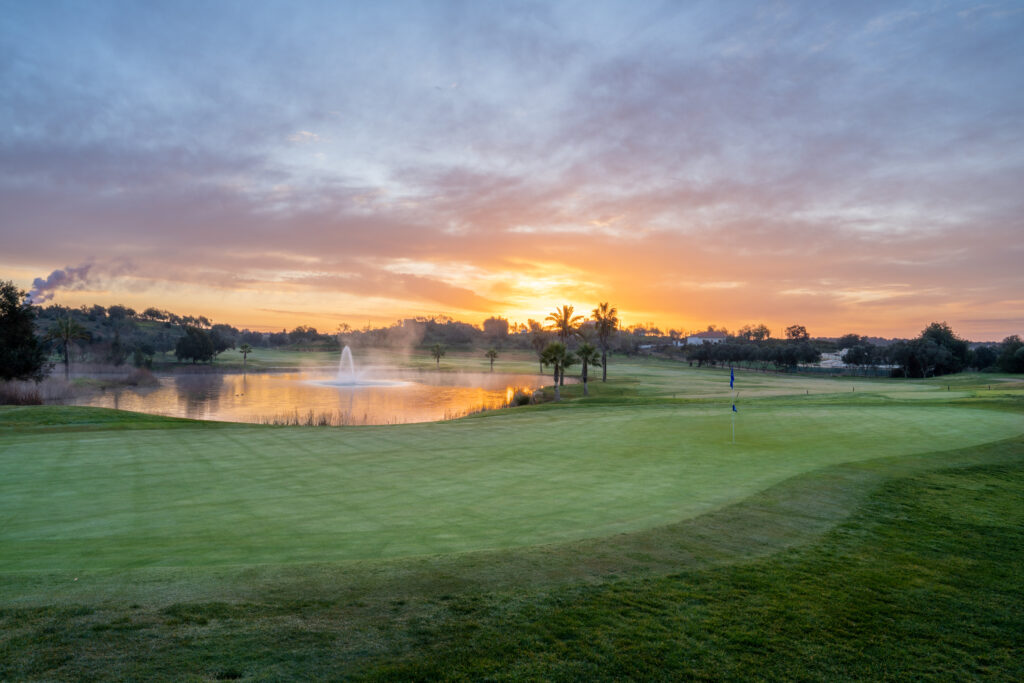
column 205, row 496
column 874, row 533
column 921, row 580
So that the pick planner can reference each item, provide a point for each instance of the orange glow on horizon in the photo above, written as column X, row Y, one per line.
column 533, row 289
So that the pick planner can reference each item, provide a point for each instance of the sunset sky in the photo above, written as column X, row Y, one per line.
column 850, row 166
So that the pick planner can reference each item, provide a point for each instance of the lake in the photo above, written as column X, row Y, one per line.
column 387, row 397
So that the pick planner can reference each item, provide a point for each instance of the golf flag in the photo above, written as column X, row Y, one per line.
column 734, row 408
column 732, row 379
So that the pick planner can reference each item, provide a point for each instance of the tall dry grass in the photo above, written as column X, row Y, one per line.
column 321, row 419
column 23, row 393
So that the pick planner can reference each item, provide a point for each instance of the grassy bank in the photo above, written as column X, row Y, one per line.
column 863, row 533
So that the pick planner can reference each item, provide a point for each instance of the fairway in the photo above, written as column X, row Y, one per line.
column 621, row 536
column 231, row 495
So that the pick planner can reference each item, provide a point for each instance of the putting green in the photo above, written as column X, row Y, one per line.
column 243, row 495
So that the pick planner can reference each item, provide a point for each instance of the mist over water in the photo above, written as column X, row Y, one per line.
column 348, row 376
column 378, row 395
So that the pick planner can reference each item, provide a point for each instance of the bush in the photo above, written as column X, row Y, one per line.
column 521, row 398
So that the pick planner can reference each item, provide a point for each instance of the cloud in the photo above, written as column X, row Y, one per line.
column 634, row 156
column 303, row 136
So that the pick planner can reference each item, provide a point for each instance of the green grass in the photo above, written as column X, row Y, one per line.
column 860, row 534
column 266, row 359
column 201, row 497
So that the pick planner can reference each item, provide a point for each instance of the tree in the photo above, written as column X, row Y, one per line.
column 606, row 321
column 1011, row 358
column 862, row 355
column 901, row 354
column 758, row 332
column 117, row 352
column 557, row 355
column 588, row 355
column 245, row 350
column 21, row 354
column 142, row 355
column 195, row 345
column 848, row 341
column 931, row 356
column 437, row 351
column 797, row 333
column 491, row 355
column 221, row 341
column 569, row 360
column 303, row 334
column 66, row 332
column 117, row 312
column 496, row 328
column 938, row 351
column 943, row 337
column 984, row 357
column 538, row 340
column 564, row 322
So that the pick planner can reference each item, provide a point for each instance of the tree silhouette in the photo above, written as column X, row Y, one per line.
column 564, row 322
column 66, row 332
column 607, row 322
column 491, row 355
column 437, row 351
column 797, row 333
column 539, row 341
column 195, row 345
column 245, row 350
column 588, row 355
column 557, row 355
column 21, row 354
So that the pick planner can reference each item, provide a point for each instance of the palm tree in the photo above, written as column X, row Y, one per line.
column 569, row 360
column 65, row 332
column 437, row 351
column 588, row 355
column 245, row 350
column 564, row 322
column 555, row 354
column 491, row 355
column 538, row 340
column 607, row 321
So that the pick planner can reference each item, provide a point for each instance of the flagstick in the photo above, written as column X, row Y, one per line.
column 733, row 416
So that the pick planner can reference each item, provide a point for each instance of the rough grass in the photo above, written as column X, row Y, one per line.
column 858, row 535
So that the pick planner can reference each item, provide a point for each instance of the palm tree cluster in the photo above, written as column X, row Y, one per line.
column 569, row 326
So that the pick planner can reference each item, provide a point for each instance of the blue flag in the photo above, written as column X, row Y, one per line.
column 734, row 408
column 732, row 378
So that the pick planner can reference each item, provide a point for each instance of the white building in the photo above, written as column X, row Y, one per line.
column 706, row 338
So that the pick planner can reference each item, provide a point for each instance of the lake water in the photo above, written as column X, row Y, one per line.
column 288, row 397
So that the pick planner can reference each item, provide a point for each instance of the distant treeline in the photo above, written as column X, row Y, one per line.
column 119, row 334
column 936, row 351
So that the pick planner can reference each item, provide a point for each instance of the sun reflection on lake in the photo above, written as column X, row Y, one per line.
column 299, row 396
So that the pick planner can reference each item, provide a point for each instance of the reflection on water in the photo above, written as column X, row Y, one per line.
column 297, row 396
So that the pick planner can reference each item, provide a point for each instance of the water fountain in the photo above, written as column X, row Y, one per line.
column 346, row 367
column 348, row 377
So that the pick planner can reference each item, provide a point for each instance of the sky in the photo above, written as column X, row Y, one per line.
column 848, row 166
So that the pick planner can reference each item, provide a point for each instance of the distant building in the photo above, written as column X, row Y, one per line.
column 706, row 338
